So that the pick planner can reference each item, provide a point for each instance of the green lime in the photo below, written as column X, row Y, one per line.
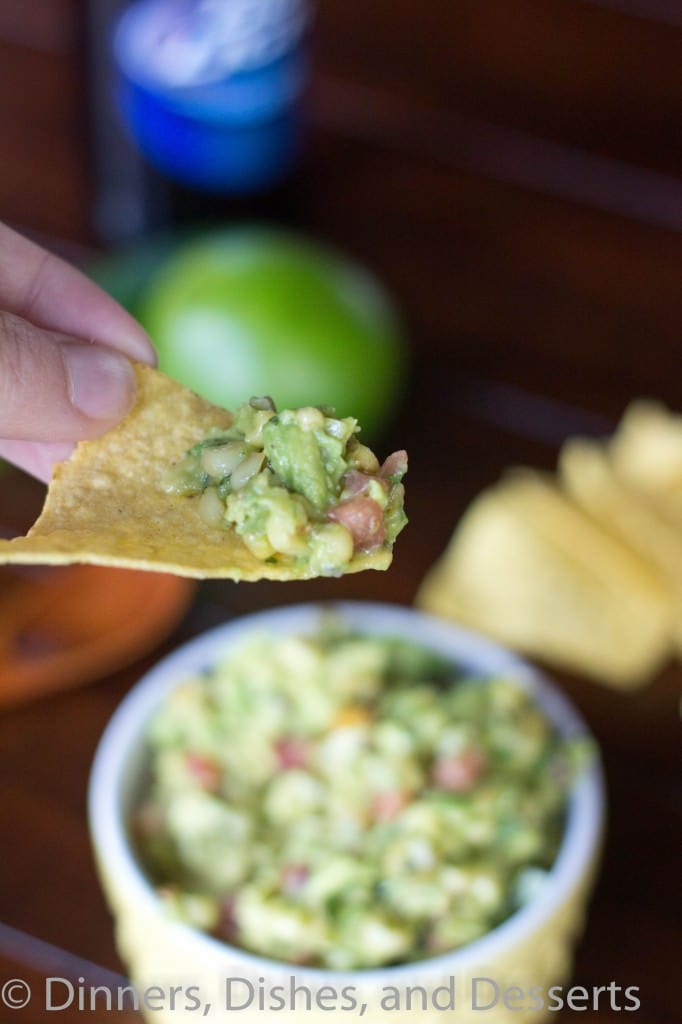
column 256, row 311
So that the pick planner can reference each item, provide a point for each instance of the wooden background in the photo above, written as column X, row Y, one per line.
column 509, row 169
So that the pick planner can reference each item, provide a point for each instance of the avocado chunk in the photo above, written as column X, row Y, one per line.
column 310, row 462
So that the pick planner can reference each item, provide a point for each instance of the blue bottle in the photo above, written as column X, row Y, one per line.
column 211, row 90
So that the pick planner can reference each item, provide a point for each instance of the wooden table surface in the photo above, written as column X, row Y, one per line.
column 512, row 179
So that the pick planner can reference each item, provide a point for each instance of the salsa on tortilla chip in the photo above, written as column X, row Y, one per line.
column 185, row 487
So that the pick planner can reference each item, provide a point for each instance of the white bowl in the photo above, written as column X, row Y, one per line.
column 531, row 949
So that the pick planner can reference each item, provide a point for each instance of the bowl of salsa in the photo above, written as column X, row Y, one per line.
column 350, row 797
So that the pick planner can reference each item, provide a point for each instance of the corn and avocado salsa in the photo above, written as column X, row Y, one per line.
column 296, row 485
column 347, row 801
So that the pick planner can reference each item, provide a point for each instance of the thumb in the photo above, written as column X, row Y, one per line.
column 56, row 388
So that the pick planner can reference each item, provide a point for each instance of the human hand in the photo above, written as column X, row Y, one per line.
column 65, row 351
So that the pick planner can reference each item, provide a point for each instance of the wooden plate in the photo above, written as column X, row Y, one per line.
column 63, row 627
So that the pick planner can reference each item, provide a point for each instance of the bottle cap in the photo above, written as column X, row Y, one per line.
column 176, row 44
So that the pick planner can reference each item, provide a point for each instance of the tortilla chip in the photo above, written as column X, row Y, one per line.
column 590, row 479
column 647, row 455
column 530, row 568
column 106, row 504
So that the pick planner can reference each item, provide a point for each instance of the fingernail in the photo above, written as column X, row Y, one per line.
column 101, row 382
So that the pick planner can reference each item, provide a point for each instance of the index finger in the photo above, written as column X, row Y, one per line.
column 50, row 293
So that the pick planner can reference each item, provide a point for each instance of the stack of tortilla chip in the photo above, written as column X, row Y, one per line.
column 584, row 570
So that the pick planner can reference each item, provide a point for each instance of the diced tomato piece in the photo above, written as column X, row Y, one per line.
column 204, row 770
column 364, row 518
column 458, row 773
column 292, row 752
column 356, row 482
column 395, row 463
column 294, row 877
column 385, row 806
